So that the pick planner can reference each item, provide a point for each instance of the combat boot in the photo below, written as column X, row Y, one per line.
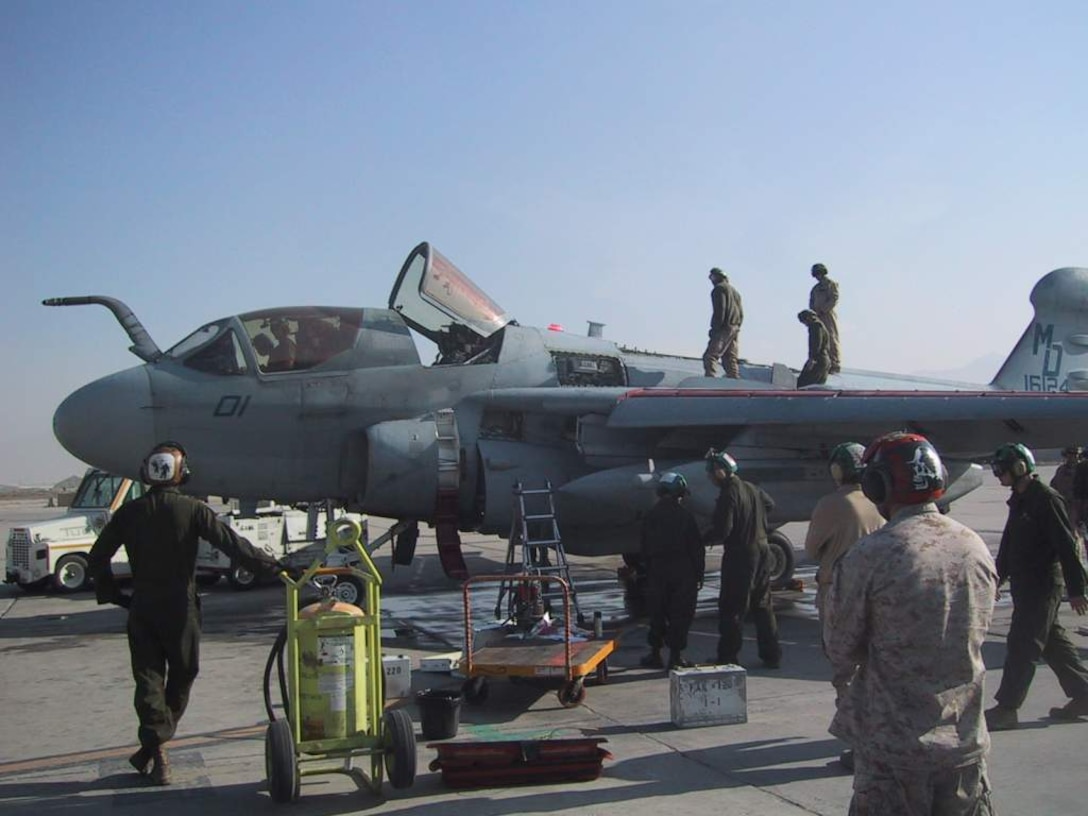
column 141, row 760
column 160, row 770
column 652, row 660
column 1071, row 711
column 1002, row 718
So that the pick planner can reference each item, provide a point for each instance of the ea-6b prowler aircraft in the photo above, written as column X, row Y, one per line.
column 333, row 403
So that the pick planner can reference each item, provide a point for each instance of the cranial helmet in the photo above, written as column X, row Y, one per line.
column 717, row 274
column 720, row 459
column 819, row 269
column 1013, row 458
column 805, row 315
column 672, row 484
column 846, row 456
column 902, row 468
column 167, row 465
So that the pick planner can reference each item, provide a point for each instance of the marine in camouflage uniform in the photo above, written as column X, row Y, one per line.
column 725, row 322
column 823, row 299
column 160, row 533
column 909, row 608
column 739, row 524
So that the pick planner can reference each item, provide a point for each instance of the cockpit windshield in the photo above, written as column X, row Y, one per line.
column 436, row 298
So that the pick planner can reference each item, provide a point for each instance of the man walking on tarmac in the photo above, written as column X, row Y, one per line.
column 1038, row 547
column 740, row 526
column 672, row 550
column 908, row 611
column 160, row 532
column 725, row 322
column 822, row 299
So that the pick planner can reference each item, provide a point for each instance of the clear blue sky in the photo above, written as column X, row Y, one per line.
column 579, row 160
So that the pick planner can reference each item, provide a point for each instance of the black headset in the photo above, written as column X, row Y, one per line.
column 876, row 482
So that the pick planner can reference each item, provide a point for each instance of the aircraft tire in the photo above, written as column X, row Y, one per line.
column 782, row 559
column 404, row 546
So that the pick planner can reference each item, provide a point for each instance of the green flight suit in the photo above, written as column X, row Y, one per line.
column 160, row 532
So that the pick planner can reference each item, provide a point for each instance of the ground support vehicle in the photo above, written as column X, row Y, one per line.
column 334, row 686
column 519, row 647
column 53, row 553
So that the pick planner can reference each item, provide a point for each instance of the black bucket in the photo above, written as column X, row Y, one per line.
column 439, row 713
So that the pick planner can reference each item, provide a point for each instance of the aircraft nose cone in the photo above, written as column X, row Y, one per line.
column 109, row 423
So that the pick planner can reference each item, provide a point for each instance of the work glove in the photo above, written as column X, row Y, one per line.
column 122, row 600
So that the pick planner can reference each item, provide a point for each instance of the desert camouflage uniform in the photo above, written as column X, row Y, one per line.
column 822, row 299
column 910, row 606
column 725, row 322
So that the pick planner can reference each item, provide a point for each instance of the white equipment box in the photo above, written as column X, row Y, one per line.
column 441, row 663
column 398, row 675
column 708, row 695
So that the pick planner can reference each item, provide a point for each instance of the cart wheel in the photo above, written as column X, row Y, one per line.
column 280, row 762
column 475, row 690
column 572, row 694
column 399, row 740
column 602, row 672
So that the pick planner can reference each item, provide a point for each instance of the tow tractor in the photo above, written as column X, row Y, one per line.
column 333, row 684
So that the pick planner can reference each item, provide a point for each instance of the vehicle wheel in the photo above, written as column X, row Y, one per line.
column 280, row 762
column 349, row 589
column 399, row 739
column 572, row 694
column 781, row 561
column 240, row 578
column 71, row 574
column 475, row 690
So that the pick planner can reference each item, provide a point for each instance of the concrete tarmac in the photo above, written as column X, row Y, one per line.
column 67, row 724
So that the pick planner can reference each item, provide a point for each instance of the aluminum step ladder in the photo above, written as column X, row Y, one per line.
column 535, row 548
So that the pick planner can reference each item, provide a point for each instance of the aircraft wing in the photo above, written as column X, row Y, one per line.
column 962, row 424
column 966, row 425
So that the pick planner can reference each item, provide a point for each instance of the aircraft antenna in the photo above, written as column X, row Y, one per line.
column 142, row 344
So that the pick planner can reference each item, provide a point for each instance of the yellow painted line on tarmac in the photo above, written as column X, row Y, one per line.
column 82, row 758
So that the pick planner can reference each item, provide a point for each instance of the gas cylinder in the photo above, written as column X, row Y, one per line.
column 329, row 646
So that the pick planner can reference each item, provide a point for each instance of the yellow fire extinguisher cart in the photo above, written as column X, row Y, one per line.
column 335, row 702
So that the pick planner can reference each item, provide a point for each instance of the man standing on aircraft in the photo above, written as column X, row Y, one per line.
column 739, row 524
column 818, row 364
column 908, row 611
column 672, row 550
column 822, row 299
column 160, row 532
column 725, row 322
column 1038, row 547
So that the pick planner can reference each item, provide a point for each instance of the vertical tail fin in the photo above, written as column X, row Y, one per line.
column 1052, row 354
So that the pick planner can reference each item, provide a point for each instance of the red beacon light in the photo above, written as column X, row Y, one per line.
column 555, row 327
